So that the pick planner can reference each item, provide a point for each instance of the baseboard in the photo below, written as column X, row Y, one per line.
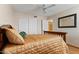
column 72, row 45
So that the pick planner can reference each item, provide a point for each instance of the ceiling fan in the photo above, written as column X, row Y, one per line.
column 45, row 7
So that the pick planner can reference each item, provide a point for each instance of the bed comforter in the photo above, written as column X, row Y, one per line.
column 38, row 44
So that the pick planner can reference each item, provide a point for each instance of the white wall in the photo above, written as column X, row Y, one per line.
column 29, row 24
column 73, row 33
column 6, row 15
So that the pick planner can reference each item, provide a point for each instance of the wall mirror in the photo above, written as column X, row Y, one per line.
column 68, row 21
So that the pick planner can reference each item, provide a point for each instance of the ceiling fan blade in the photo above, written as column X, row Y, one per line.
column 49, row 6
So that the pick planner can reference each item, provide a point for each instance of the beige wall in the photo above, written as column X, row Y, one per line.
column 73, row 33
column 6, row 15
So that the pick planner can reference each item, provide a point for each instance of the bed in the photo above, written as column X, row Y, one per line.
column 38, row 44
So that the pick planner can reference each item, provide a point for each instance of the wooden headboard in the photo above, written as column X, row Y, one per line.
column 62, row 34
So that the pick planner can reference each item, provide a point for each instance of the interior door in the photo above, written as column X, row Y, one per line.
column 45, row 25
column 32, row 25
column 23, row 24
column 39, row 26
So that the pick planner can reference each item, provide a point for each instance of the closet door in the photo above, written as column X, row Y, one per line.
column 45, row 25
column 39, row 25
column 32, row 25
column 23, row 24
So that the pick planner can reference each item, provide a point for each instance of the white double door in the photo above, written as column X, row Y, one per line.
column 30, row 25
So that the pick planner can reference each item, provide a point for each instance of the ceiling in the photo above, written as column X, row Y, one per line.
column 37, row 9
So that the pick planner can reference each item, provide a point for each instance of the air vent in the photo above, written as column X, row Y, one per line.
column 35, row 16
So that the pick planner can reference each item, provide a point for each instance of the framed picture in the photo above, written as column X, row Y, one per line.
column 67, row 21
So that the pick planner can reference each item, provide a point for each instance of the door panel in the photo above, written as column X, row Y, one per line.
column 32, row 25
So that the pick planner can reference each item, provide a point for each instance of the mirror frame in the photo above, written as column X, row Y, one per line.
column 74, row 20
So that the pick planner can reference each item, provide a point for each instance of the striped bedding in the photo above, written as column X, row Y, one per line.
column 38, row 44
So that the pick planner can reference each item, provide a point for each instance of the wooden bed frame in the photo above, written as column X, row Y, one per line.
column 62, row 34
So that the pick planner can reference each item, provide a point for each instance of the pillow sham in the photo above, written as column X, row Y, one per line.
column 14, row 36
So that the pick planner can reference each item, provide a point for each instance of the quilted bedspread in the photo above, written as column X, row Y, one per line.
column 38, row 44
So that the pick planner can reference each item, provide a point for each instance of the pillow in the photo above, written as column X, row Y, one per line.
column 14, row 37
column 23, row 34
column 6, row 26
